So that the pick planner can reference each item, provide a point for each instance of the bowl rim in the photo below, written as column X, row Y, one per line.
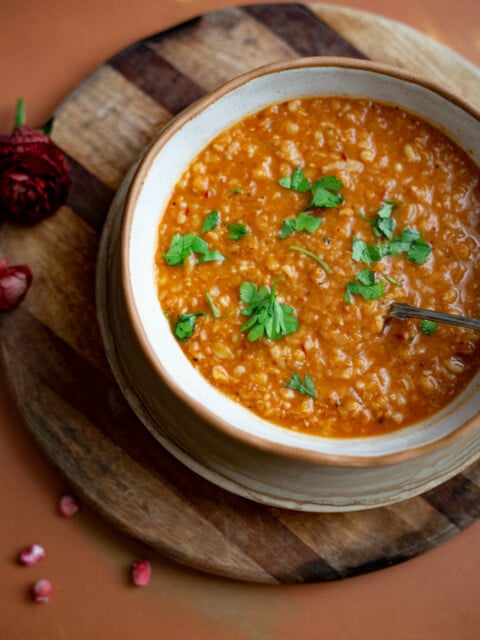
column 134, row 188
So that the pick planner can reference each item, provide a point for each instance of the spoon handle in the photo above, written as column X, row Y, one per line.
column 402, row 311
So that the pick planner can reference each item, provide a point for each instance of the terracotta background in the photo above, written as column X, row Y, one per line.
column 46, row 48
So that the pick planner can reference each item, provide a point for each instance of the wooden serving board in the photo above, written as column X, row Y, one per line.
column 51, row 346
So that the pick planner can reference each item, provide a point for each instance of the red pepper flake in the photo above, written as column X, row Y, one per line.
column 207, row 194
column 14, row 284
column 141, row 573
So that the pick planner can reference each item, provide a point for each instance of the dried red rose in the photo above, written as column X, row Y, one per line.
column 14, row 283
column 34, row 175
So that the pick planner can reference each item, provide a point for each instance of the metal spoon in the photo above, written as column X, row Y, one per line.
column 402, row 311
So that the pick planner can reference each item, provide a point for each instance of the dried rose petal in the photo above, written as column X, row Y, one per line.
column 34, row 176
column 32, row 554
column 42, row 590
column 141, row 573
column 68, row 506
column 14, row 284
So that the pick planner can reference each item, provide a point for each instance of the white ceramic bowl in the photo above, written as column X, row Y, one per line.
column 207, row 431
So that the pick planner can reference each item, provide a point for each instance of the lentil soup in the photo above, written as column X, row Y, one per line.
column 287, row 238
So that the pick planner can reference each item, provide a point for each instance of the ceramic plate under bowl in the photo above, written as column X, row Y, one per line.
column 207, row 431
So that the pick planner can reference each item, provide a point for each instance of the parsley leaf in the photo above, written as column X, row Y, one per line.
column 213, row 308
column 366, row 286
column 411, row 243
column 211, row 221
column 325, row 192
column 388, row 278
column 185, row 325
column 303, row 222
column 296, row 182
column 318, row 259
column 428, row 327
column 268, row 316
column 238, row 231
column 419, row 251
column 182, row 246
column 307, row 387
column 364, row 252
column 180, row 249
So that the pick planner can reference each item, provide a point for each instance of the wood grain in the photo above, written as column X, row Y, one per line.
column 51, row 346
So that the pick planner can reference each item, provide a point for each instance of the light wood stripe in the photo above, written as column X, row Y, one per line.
column 220, row 46
column 106, row 125
column 401, row 46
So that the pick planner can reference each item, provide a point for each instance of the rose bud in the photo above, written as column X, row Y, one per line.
column 34, row 175
column 14, row 283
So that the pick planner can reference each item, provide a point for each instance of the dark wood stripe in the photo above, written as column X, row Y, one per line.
column 261, row 536
column 156, row 77
column 302, row 30
column 457, row 499
column 89, row 198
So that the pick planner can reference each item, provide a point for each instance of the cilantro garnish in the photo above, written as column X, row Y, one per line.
column 296, row 182
column 364, row 252
column 185, row 325
column 366, row 286
column 307, row 387
column 213, row 308
column 324, row 191
column 238, row 231
column 428, row 327
column 388, row 278
column 318, row 259
column 411, row 243
column 182, row 246
column 268, row 316
column 384, row 224
column 303, row 222
column 211, row 221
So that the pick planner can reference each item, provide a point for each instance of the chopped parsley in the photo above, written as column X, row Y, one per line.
column 324, row 191
column 303, row 222
column 409, row 242
column 307, row 387
column 268, row 316
column 428, row 327
column 384, row 224
column 388, row 278
column 213, row 308
column 365, row 286
column 318, row 259
column 181, row 247
column 364, row 252
column 237, row 190
column 211, row 221
column 237, row 231
column 185, row 325
column 296, row 182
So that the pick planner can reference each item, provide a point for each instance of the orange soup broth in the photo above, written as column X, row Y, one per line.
column 368, row 378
